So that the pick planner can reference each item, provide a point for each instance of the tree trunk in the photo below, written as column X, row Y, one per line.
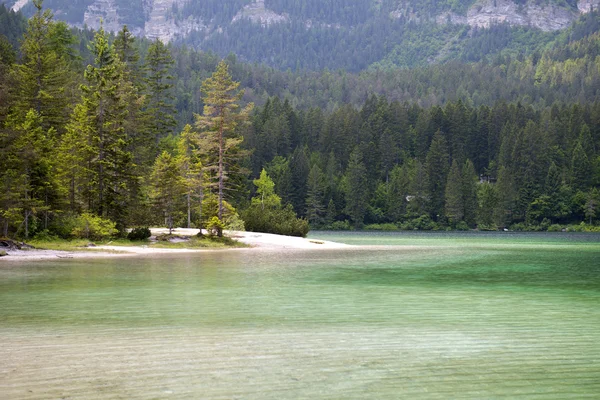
column 189, row 211
column 221, row 181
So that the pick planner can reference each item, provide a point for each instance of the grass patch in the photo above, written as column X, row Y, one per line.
column 60, row 244
column 193, row 242
column 200, row 243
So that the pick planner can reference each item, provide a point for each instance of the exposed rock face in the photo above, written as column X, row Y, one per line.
column 160, row 21
column 161, row 26
column 585, row 6
column 105, row 12
column 547, row 17
column 18, row 5
column 258, row 14
column 544, row 16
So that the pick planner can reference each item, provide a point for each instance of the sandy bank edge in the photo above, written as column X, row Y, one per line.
column 256, row 240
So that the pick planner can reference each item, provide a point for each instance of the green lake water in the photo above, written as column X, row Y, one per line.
column 399, row 316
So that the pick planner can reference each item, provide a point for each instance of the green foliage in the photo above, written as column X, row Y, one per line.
column 381, row 227
column 422, row 223
column 265, row 192
column 266, row 213
column 281, row 221
column 90, row 226
column 215, row 227
column 340, row 226
column 139, row 233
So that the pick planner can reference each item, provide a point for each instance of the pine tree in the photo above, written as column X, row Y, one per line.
column 507, row 195
column 437, row 164
column 127, row 51
column 33, row 166
column 42, row 79
column 168, row 186
column 159, row 83
column 455, row 202
column 299, row 169
column 218, row 136
column 469, row 189
column 356, row 188
column 279, row 171
column 487, row 198
column 398, row 190
column 75, row 155
column 418, row 198
column 315, row 209
column 191, row 171
column 105, row 98
column 580, row 168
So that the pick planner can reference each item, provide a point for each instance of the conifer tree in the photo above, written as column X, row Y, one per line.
column 75, row 155
column 299, row 169
column 168, row 186
column 42, row 79
column 191, row 171
column 455, row 202
column 437, row 163
column 356, row 188
column 418, row 198
column 507, row 195
column 398, row 190
column 159, row 83
column 279, row 171
column 105, row 97
column 32, row 162
column 469, row 189
column 218, row 137
column 580, row 168
column 315, row 209
column 127, row 51
column 487, row 199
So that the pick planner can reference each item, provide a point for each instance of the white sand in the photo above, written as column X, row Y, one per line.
column 264, row 241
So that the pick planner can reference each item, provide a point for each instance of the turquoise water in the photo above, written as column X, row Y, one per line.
column 403, row 315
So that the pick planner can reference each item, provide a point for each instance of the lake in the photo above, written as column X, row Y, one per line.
column 401, row 315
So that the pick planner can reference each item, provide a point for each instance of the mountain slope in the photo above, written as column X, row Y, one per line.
column 350, row 34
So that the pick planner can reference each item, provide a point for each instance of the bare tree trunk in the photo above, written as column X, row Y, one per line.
column 189, row 211
column 221, row 180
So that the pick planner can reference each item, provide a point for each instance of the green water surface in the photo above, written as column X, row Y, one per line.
column 400, row 315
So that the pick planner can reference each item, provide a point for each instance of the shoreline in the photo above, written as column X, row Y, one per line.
column 255, row 241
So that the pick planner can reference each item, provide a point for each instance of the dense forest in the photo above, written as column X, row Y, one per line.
column 312, row 35
column 117, row 132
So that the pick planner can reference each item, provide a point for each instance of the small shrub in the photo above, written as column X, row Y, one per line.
column 555, row 228
column 90, row 226
column 341, row 226
column 215, row 227
column 140, row 233
column 483, row 227
column 45, row 235
column 381, row 227
column 518, row 227
column 422, row 223
column 281, row 221
column 462, row 226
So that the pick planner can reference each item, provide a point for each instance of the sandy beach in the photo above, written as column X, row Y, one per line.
column 256, row 240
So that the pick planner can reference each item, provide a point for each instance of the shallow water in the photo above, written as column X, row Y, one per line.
column 420, row 316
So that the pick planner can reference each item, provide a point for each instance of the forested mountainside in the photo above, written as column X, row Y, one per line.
column 97, row 128
column 350, row 35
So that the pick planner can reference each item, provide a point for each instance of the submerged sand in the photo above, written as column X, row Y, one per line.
column 256, row 240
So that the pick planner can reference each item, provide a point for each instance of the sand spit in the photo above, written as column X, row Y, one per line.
column 264, row 241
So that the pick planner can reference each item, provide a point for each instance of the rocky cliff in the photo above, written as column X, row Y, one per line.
column 161, row 22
